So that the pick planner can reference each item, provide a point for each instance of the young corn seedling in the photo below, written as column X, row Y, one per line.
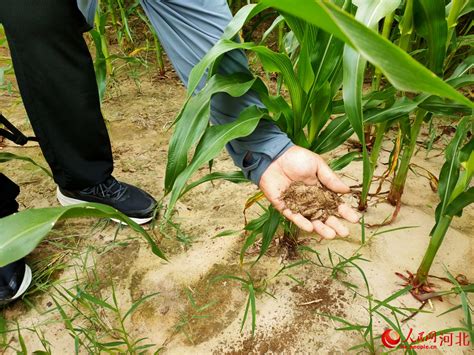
column 455, row 194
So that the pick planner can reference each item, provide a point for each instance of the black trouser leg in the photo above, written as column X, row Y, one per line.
column 56, row 77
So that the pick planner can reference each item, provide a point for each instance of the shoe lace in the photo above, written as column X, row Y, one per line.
column 111, row 188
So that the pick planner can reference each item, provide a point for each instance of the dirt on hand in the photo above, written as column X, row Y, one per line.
column 312, row 201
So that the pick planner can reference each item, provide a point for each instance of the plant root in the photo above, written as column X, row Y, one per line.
column 387, row 222
column 419, row 290
column 423, row 304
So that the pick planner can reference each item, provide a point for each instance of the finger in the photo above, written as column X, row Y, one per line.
column 329, row 179
column 348, row 213
column 299, row 220
column 337, row 225
column 323, row 230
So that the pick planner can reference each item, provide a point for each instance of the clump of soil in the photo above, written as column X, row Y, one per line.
column 312, row 201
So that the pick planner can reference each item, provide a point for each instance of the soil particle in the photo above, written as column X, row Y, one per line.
column 113, row 265
column 323, row 297
column 312, row 201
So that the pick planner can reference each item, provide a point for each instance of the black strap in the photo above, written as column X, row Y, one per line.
column 12, row 133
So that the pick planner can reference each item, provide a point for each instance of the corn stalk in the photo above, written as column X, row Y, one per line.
column 455, row 192
column 431, row 24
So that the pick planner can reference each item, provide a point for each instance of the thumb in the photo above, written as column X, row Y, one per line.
column 329, row 179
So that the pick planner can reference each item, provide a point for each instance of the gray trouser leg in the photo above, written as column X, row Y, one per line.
column 187, row 30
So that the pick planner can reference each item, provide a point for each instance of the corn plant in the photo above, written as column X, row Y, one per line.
column 313, row 78
column 455, row 192
column 427, row 20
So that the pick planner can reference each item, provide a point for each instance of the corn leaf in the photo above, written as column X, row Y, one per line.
column 457, row 205
column 369, row 12
column 396, row 65
column 271, row 61
column 450, row 172
column 211, row 144
column 100, row 63
column 23, row 231
column 430, row 23
column 194, row 118
column 235, row 177
column 340, row 129
column 345, row 160
column 5, row 156
column 269, row 229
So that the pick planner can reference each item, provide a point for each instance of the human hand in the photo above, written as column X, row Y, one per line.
column 300, row 164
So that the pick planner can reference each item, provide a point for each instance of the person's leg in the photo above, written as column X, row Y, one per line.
column 15, row 277
column 56, row 78
column 57, row 82
column 188, row 30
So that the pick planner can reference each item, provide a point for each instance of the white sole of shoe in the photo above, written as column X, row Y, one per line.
column 69, row 201
column 25, row 283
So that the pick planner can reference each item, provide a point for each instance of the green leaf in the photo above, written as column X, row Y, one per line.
column 450, row 171
column 194, row 118
column 21, row 340
column 392, row 297
column 369, row 12
column 345, row 160
column 23, row 231
column 466, row 159
column 457, row 205
column 212, row 143
column 430, row 23
column 272, row 27
column 253, row 307
column 81, row 294
column 4, row 157
column 100, row 64
column 236, row 177
column 320, row 111
column 396, row 65
column 269, row 229
column 441, row 106
column 249, row 241
column 136, row 304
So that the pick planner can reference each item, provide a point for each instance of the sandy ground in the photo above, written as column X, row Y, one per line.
column 289, row 321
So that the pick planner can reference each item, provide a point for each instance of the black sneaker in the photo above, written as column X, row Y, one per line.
column 135, row 203
column 15, row 278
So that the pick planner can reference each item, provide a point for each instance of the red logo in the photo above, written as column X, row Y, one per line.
column 390, row 339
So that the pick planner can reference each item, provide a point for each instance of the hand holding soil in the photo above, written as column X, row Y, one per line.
column 293, row 170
